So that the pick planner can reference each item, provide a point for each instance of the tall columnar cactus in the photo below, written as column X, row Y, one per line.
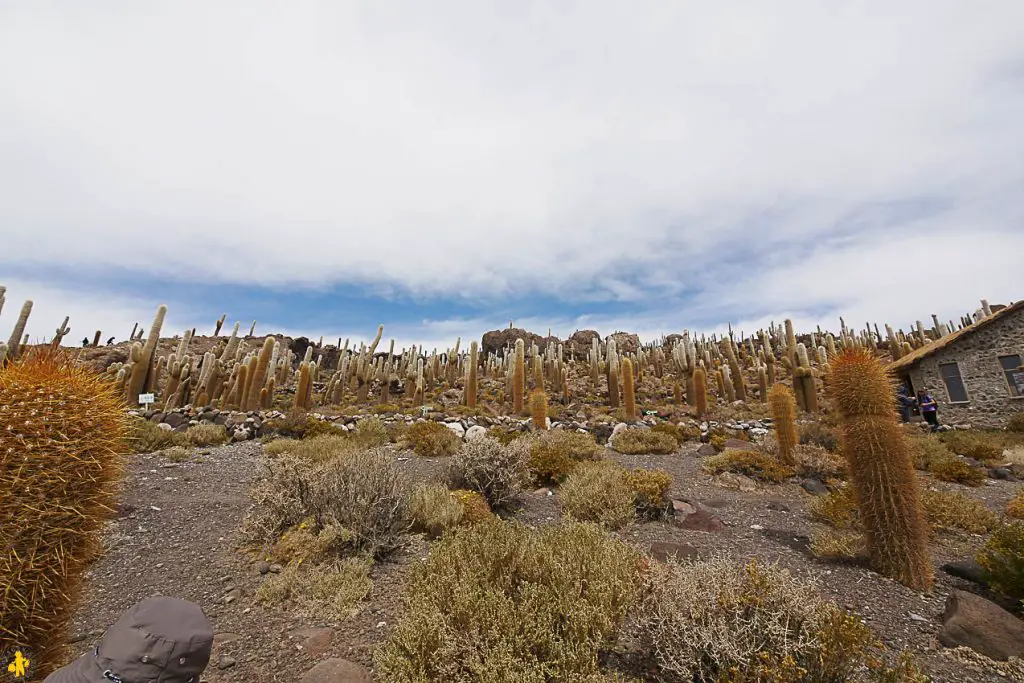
column 259, row 380
column 471, row 381
column 96, row 338
column 302, row 387
column 762, row 383
column 539, row 409
column 790, row 344
column 220, row 323
column 232, row 346
column 804, row 383
column 60, row 461
column 3, row 297
column 881, row 467
column 62, row 332
column 628, row 390
column 700, row 391
column 735, row 373
column 363, row 367
column 141, row 369
column 769, row 358
column 14, row 343
column 783, row 407
column 518, row 377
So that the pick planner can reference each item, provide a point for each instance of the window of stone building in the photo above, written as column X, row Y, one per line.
column 1014, row 374
column 955, row 388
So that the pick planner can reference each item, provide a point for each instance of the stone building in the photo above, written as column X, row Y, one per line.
column 976, row 373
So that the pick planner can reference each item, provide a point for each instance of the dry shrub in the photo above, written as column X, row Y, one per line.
column 719, row 620
column 836, row 508
column 1015, row 508
column 504, row 434
column 176, row 453
column 432, row 439
column 977, row 444
column 499, row 472
column 838, row 545
column 678, row 432
column 928, row 450
column 474, row 507
column 298, row 424
column 815, row 461
column 371, row 432
column 555, row 452
column 1016, row 423
column 957, row 471
column 1002, row 557
column 952, row 510
column 650, row 491
column 821, row 435
column 753, row 464
column 360, row 491
column 303, row 543
column 316, row 449
column 148, row 437
column 330, row 591
column 503, row 602
column 433, row 509
column 637, row 440
column 598, row 492
column 206, row 434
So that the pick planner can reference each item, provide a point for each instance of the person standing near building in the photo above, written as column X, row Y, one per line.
column 904, row 402
column 929, row 408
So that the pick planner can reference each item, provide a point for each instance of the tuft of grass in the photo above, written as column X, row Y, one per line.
column 974, row 443
column 1002, row 557
column 331, row 591
column 753, row 464
column 431, row 439
column 838, row 545
column 637, row 441
column 598, row 492
column 650, row 491
column 678, row 432
column 371, row 432
column 433, row 509
column 148, row 437
column 206, row 434
column 502, row 602
column 953, row 510
column 957, row 471
column 820, row 434
column 1015, row 508
column 316, row 449
column 928, row 450
column 298, row 424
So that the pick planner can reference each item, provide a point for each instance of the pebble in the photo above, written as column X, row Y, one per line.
column 225, row 662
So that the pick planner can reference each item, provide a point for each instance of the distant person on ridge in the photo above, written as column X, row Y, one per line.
column 159, row 639
column 929, row 408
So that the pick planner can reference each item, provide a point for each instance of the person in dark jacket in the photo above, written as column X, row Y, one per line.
column 905, row 402
column 929, row 408
column 158, row 640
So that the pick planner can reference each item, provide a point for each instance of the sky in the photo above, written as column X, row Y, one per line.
column 447, row 168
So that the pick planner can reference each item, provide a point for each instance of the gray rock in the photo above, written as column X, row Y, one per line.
column 663, row 550
column 981, row 625
column 476, row 432
column 706, row 450
column 702, row 520
column 738, row 482
column 814, row 487
column 968, row 570
column 225, row 662
column 175, row 420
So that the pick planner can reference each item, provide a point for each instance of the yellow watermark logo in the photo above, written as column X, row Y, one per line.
column 19, row 667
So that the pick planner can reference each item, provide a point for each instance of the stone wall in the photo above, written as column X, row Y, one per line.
column 989, row 402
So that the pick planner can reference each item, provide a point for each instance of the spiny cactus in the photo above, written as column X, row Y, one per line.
column 804, row 385
column 259, row 379
column 739, row 389
column 783, row 407
column 60, row 459
column 62, row 332
column 700, row 391
column 220, row 323
column 539, row 409
column 881, row 468
column 518, row 376
column 232, row 346
column 141, row 369
column 14, row 343
column 628, row 391
column 762, row 383
column 471, row 381
column 303, row 386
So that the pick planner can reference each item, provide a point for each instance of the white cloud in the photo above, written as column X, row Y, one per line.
column 587, row 151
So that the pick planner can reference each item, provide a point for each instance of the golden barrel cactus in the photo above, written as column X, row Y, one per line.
column 62, row 444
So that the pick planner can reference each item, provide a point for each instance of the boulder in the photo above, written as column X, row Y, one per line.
column 702, row 520
column 580, row 343
column 336, row 671
column 968, row 569
column 706, row 450
column 738, row 482
column 625, row 342
column 457, row 428
column 814, row 486
column 496, row 341
column 175, row 420
column 981, row 625
column 476, row 432
column 663, row 550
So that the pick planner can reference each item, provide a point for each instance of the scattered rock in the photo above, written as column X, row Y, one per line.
column 618, row 428
column 702, row 520
column 981, row 625
column 706, row 450
column 475, row 432
column 681, row 507
column 456, row 428
column 778, row 506
column 175, row 420
column 314, row 641
column 968, row 570
column 739, row 482
column 225, row 662
column 737, row 444
column 662, row 550
column 336, row 671
column 1003, row 473
column 815, row 487
column 263, row 567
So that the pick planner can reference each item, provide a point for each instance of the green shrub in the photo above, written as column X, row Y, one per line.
column 598, row 492
column 957, row 471
column 432, row 439
column 719, row 620
column 1015, row 508
column 1002, row 557
column 148, row 437
column 206, row 434
column 637, row 440
column 371, row 432
column 502, row 602
column 753, row 464
column 498, row 472
column 555, row 452
column 650, row 491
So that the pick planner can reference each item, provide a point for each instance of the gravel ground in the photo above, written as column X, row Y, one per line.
column 177, row 533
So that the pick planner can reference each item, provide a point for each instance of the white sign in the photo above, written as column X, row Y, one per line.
column 147, row 398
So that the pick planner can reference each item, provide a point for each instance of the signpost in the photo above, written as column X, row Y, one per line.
column 146, row 399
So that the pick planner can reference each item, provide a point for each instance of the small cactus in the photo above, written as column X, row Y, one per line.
column 539, row 409
column 783, row 407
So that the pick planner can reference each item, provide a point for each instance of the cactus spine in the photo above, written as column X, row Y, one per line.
column 881, row 468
